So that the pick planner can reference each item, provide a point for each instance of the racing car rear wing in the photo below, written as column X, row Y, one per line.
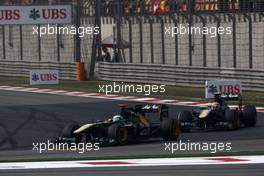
column 150, row 108
column 162, row 109
column 221, row 98
column 228, row 97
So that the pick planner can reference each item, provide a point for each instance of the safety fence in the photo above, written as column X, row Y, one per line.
column 58, row 43
column 24, row 45
column 178, row 75
column 157, row 40
column 142, row 25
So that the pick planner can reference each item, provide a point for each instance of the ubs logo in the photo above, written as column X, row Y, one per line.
column 35, row 77
column 34, row 14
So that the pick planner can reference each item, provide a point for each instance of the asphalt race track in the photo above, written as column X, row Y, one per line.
column 28, row 117
column 215, row 170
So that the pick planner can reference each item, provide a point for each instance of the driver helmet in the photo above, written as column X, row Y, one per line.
column 215, row 105
column 117, row 118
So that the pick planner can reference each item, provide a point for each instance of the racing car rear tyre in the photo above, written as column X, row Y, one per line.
column 185, row 117
column 68, row 130
column 170, row 129
column 232, row 119
column 249, row 116
column 119, row 133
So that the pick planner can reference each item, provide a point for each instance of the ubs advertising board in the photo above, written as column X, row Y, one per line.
column 53, row 14
column 222, row 86
column 38, row 77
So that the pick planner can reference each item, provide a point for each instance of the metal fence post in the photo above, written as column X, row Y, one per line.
column 141, row 32
column 99, row 35
column 172, row 16
column 140, row 40
column 250, row 45
column 233, row 18
column 118, row 29
column 250, row 41
column 204, row 42
column 21, row 41
column 10, row 35
column 130, row 39
column 3, row 34
column 219, row 43
column 151, row 41
column 39, row 43
column 130, row 42
column 234, row 42
column 163, row 41
column 176, row 44
column 191, row 5
column 58, row 44
column 189, row 20
column 150, row 21
column 95, row 39
column 77, row 36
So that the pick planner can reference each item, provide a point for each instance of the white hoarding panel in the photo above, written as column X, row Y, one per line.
column 38, row 77
column 223, row 86
column 54, row 14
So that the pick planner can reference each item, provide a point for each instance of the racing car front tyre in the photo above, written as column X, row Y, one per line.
column 232, row 119
column 68, row 130
column 249, row 117
column 170, row 129
column 119, row 133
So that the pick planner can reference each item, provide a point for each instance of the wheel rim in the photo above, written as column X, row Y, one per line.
column 176, row 131
column 237, row 122
column 78, row 137
column 122, row 135
column 204, row 125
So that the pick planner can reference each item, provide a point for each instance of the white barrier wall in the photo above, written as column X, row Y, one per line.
column 178, row 75
column 19, row 68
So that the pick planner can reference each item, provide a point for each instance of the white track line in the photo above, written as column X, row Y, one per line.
column 74, row 93
column 136, row 162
